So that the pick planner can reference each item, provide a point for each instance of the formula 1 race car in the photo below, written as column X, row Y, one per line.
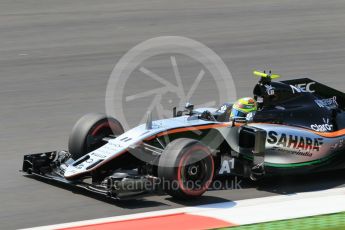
column 299, row 127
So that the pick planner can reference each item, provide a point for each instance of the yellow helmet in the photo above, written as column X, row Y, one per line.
column 242, row 107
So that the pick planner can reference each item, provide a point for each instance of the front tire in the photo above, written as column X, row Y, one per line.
column 89, row 131
column 186, row 168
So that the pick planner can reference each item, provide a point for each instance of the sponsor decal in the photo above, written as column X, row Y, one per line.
column 280, row 108
column 295, row 142
column 80, row 166
column 227, row 166
column 303, row 88
column 99, row 155
column 269, row 90
column 325, row 127
column 339, row 145
column 330, row 103
column 223, row 109
column 250, row 116
column 294, row 152
column 90, row 160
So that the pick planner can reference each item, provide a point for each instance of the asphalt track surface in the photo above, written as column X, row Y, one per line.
column 56, row 57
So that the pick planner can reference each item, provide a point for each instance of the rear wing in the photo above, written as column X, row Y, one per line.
column 318, row 89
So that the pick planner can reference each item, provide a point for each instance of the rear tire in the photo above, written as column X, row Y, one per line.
column 186, row 168
column 89, row 131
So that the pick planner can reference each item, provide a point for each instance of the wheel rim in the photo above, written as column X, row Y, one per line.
column 194, row 174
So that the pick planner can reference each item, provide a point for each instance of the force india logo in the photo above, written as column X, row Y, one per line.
column 294, row 142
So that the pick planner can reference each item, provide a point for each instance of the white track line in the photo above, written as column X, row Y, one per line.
column 249, row 211
column 281, row 207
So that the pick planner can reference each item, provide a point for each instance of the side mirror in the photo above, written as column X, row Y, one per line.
column 189, row 108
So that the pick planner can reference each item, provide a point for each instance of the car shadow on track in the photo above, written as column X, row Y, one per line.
column 279, row 185
column 275, row 185
column 203, row 200
column 299, row 183
column 135, row 202
column 124, row 203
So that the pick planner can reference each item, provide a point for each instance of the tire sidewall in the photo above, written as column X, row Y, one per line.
column 174, row 157
column 77, row 143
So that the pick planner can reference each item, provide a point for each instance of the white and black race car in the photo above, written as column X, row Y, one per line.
column 299, row 128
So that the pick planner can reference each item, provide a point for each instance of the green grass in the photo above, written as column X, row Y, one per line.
column 329, row 222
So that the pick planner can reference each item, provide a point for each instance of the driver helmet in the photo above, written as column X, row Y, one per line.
column 243, row 107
